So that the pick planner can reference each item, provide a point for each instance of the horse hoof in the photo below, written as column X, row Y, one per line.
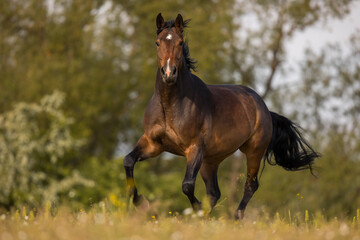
column 239, row 215
column 197, row 206
column 141, row 203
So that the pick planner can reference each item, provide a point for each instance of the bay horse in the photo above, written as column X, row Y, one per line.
column 207, row 123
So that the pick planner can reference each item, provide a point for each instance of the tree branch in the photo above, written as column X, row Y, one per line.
column 275, row 62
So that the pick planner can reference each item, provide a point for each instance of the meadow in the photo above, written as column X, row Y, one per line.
column 102, row 223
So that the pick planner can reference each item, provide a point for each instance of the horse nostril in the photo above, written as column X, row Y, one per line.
column 174, row 71
column 162, row 71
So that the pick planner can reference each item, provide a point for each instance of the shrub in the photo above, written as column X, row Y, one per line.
column 35, row 143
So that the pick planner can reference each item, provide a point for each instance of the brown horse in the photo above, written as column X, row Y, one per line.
column 207, row 123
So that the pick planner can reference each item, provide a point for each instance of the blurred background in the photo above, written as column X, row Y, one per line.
column 75, row 78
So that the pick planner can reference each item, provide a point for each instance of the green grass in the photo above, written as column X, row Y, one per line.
column 101, row 222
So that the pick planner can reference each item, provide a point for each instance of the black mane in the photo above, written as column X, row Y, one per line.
column 190, row 62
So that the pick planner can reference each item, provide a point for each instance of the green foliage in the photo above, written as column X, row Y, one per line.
column 59, row 49
column 35, row 141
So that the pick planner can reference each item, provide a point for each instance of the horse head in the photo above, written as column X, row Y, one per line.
column 169, row 44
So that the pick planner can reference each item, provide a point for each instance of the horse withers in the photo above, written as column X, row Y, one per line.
column 207, row 123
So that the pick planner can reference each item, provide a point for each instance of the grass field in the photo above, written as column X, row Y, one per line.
column 99, row 223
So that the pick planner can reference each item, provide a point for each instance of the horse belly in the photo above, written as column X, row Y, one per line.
column 227, row 140
column 224, row 146
column 231, row 128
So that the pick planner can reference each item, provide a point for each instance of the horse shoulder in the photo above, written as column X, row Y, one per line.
column 154, row 121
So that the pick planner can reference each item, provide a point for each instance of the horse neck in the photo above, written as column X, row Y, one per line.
column 173, row 96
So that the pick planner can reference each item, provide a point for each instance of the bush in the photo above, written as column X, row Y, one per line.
column 35, row 143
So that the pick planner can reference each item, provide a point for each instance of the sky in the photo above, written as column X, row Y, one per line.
column 317, row 37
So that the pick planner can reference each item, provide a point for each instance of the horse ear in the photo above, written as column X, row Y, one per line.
column 179, row 23
column 160, row 21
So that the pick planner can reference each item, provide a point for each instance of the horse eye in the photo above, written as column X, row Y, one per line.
column 157, row 44
column 181, row 43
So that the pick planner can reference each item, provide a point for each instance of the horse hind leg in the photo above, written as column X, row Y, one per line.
column 253, row 157
column 251, row 185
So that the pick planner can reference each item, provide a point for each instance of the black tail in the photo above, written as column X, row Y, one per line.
column 290, row 149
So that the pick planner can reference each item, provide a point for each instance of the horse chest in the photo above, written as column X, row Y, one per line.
column 176, row 137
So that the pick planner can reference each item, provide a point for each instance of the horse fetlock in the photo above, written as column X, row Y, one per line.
column 243, row 204
column 137, row 199
column 214, row 199
column 197, row 206
column 188, row 188
column 215, row 195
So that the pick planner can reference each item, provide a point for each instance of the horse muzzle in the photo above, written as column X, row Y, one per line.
column 169, row 74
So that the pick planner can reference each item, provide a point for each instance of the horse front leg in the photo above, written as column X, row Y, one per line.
column 208, row 172
column 145, row 148
column 194, row 159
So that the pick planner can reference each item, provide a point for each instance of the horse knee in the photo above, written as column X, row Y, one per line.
column 188, row 188
column 129, row 161
column 132, row 158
